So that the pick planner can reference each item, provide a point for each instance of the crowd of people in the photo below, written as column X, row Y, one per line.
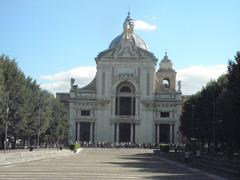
column 175, row 147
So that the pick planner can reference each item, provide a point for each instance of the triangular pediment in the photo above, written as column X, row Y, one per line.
column 126, row 52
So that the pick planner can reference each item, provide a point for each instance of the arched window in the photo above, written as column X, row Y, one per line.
column 125, row 99
column 125, row 89
column 166, row 82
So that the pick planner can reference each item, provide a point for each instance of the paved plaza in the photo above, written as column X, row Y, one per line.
column 101, row 163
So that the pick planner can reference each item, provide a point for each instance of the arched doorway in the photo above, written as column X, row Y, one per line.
column 125, row 99
column 125, row 106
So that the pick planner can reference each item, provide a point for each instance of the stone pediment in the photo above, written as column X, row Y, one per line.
column 129, row 51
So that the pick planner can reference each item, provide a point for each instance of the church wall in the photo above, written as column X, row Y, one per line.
column 72, row 129
column 147, row 74
column 103, row 130
column 144, row 72
column 125, row 61
column 108, row 71
column 145, row 130
column 178, row 124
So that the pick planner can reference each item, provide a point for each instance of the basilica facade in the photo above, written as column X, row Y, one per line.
column 130, row 99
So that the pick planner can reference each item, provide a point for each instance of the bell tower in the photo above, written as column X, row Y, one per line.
column 166, row 75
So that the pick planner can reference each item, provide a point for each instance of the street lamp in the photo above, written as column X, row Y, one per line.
column 215, row 129
column 6, row 124
column 58, row 130
column 214, row 126
column 39, row 121
column 192, row 121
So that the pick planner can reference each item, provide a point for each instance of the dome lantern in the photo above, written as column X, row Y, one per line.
column 165, row 62
column 128, row 35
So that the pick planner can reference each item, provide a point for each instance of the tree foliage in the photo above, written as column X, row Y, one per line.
column 229, row 104
column 26, row 108
column 213, row 114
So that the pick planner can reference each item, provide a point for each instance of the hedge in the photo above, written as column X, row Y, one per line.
column 164, row 147
column 74, row 147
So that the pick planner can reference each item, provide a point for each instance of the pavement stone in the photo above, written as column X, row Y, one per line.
column 103, row 163
column 23, row 156
column 207, row 163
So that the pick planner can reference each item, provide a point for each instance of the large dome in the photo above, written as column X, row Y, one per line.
column 135, row 38
column 128, row 35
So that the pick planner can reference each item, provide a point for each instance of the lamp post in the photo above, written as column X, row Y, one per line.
column 216, row 131
column 214, row 126
column 192, row 132
column 58, row 130
column 38, row 133
column 6, row 124
column 6, row 139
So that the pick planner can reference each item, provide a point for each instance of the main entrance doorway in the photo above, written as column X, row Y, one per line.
column 85, row 131
column 124, row 132
column 164, row 133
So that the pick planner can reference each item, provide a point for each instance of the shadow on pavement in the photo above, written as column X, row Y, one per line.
column 156, row 168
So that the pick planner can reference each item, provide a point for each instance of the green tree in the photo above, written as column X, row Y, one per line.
column 199, row 115
column 30, row 110
column 33, row 112
column 13, row 80
column 58, row 130
column 216, row 110
column 229, row 106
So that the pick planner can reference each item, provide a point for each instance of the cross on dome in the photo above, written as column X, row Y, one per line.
column 129, row 35
column 166, row 56
column 128, row 27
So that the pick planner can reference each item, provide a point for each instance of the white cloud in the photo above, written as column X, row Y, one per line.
column 79, row 72
column 58, row 86
column 60, row 82
column 142, row 25
column 193, row 78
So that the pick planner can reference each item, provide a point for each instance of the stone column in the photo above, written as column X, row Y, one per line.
column 134, row 133
column 173, row 133
column 91, row 131
column 158, row 133
column 114, row 133
column 131, row 107
column 170, row 133
column 118, row 108
column 155, row 133
column 136, row 106
column 78, row 131
column 117, row 138
column 113, row 106
column 131, row 135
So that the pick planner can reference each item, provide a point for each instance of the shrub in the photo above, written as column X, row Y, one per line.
column 31, row 148
column 164, row 147
column 74, row 147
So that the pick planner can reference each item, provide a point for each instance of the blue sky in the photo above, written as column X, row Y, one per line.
column 55, row 38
